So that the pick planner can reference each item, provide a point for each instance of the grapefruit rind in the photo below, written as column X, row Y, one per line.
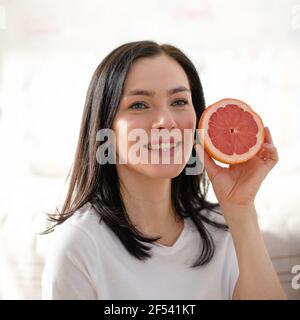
column 212, row 150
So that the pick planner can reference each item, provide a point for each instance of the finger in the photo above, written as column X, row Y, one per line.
column 270, row 152
column 261, row 152
column 269, row 156
column 268, row 136
column 211, row 167
column 268, row 146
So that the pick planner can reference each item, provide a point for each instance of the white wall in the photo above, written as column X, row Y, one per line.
column 48, row 51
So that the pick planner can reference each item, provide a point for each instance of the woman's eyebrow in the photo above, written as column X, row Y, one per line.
column 142, row 92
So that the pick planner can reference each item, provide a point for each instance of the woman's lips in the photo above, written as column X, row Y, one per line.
column 162, row 146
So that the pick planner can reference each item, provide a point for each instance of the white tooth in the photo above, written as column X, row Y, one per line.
column 155, row 146
column 163, row 146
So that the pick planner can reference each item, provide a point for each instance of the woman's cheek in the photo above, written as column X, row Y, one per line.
column 120, row 128
column 125, row 131
column 188, row 126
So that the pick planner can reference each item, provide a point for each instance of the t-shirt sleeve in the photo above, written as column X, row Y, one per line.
column 233, row 270
column 68, row 272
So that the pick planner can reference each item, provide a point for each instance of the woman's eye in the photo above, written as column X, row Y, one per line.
column 142, row 106
column 137, row 106
column 183, row 102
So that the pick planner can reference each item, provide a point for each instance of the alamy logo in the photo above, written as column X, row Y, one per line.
column 296, row 278
column 159, row 147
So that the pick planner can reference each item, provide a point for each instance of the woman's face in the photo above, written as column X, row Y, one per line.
column 149, row 153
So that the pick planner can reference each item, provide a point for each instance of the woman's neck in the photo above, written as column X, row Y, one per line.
column 149, row 205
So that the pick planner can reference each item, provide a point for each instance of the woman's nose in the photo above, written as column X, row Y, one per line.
column 164, row 120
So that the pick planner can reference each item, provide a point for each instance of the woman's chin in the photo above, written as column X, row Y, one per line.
column 162, row 170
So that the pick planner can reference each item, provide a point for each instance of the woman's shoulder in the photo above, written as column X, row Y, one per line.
column 84, row 218
column 72, row 249
column 79, row 230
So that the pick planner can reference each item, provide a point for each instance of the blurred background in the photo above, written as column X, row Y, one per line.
column 245, row 49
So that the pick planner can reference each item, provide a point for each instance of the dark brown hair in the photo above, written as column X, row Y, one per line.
column 98, row 184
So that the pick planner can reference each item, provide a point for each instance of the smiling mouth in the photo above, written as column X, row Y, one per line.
column 162, row 146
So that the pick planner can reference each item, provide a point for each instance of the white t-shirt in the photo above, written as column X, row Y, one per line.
column 88, row 261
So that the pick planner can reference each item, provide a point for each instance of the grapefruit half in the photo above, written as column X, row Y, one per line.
column 230, row 131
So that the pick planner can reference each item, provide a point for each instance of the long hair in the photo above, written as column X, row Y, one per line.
column 98, row 184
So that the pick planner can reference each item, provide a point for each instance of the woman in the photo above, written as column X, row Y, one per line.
column 142, row 230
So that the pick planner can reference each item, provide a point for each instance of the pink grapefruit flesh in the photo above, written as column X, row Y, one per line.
column 231, row 131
